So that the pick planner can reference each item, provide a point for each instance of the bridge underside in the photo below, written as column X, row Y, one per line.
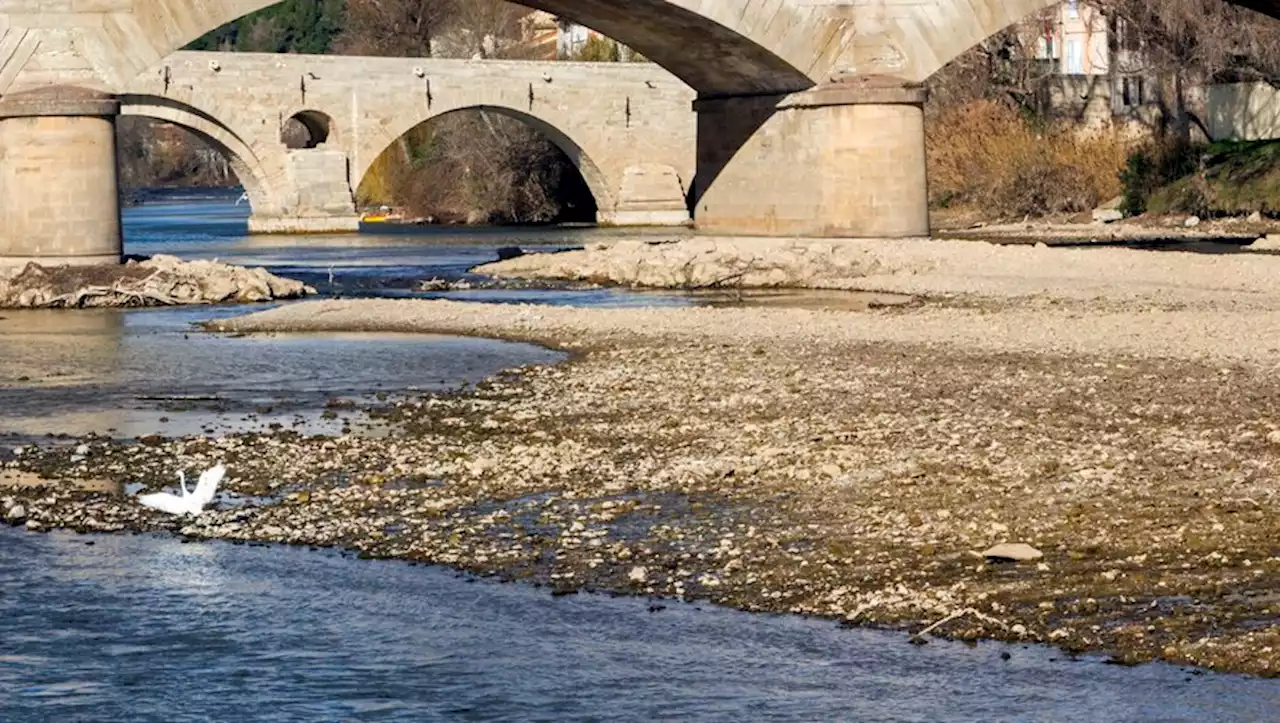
column 808, row 120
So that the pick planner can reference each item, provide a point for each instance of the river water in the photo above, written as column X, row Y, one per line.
column 141, row 372
column 144, row 628
column 147, row 628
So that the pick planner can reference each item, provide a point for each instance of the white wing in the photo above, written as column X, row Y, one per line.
column 208, row 485
column 165, row 502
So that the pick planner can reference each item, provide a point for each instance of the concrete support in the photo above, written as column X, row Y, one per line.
column 59, row 191
column 315, row 196
column 842, row 160
column 650, row 195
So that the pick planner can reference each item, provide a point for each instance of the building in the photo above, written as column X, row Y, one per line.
column 547, row 37
column 1095, row 67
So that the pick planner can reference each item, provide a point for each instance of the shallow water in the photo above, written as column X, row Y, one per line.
column 145, row 628
column 378, row 262
column 134, row 373
column 130, row 373
column 142, row 628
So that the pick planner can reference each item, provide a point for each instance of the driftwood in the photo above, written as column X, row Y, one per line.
column 956, row 615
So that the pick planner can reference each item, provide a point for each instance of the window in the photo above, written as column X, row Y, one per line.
column 1075, row 57
column 1073, row 10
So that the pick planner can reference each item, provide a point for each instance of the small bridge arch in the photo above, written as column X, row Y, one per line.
column 603, row 188
column 249, row 170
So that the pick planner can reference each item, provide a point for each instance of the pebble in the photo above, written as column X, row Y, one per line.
column 639, row 574
column 15, row 514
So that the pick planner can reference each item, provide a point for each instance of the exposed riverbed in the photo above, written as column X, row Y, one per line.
column 841, row 463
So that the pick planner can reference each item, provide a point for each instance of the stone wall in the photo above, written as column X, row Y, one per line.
column 1243, row 112
column 719, row 47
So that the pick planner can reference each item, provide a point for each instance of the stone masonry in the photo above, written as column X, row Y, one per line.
column 629, row 128
column 809, row 110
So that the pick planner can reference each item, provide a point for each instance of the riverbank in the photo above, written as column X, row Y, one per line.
column 966, row 273
column 853, row 465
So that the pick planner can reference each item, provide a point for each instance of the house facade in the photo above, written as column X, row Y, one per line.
column 1095, row 67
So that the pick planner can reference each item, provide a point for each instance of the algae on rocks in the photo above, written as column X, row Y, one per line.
column 161, row 280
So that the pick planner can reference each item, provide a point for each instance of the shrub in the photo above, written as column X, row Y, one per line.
column 986, row 155
column 1155, row 165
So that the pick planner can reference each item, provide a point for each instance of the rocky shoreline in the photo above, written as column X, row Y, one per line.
column 947, row 268
column 161, row 280
column 851, row 465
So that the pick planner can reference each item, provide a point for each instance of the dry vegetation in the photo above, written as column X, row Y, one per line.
column 997, row 146
column 986, row 154
column 157, row 154
column 478, row 167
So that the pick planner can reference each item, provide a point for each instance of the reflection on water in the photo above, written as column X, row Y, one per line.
column 133, row 373
column 141, row 628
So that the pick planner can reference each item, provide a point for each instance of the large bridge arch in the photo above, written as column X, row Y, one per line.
column 719, row 47
column 248, row 168
column 603, row 188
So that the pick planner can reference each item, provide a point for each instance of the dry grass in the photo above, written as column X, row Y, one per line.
column 986, row 155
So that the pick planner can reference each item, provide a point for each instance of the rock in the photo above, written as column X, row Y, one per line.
column 433, row 285
column 1270, row 242
column 1113, row 205
column 1255, row 217
column 1191, row 222
column 638, row 575
column 1274, row 437
column 15, row 514
column 158, row 281
column 1012, row 552
column 83, row 450
column 33, row 526
column 1107, row 215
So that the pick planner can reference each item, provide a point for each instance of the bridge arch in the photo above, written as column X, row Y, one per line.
column 601, row 186
column 249, row 169
column 719, row 47
column 317, row 127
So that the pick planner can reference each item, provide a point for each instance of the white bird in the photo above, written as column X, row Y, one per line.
column 189, row 503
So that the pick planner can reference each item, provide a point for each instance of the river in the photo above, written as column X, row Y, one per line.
column 132, row 373
column 145, row 628
column 149, row 628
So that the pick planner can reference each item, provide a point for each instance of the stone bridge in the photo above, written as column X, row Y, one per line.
column 627, row 127
column 809, row 117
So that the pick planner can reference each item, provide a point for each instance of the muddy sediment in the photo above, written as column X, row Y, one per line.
column 852, row 465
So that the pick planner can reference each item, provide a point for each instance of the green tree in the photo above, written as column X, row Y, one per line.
column 294, row 26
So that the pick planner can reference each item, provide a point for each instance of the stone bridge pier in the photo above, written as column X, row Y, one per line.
column 843, row 159
column 59, row 199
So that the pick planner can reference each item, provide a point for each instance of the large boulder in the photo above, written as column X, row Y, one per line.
column 158, row 281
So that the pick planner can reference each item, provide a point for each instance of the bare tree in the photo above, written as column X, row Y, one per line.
column 393, row 28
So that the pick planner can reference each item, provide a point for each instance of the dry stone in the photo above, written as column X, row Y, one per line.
column 159, row 281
